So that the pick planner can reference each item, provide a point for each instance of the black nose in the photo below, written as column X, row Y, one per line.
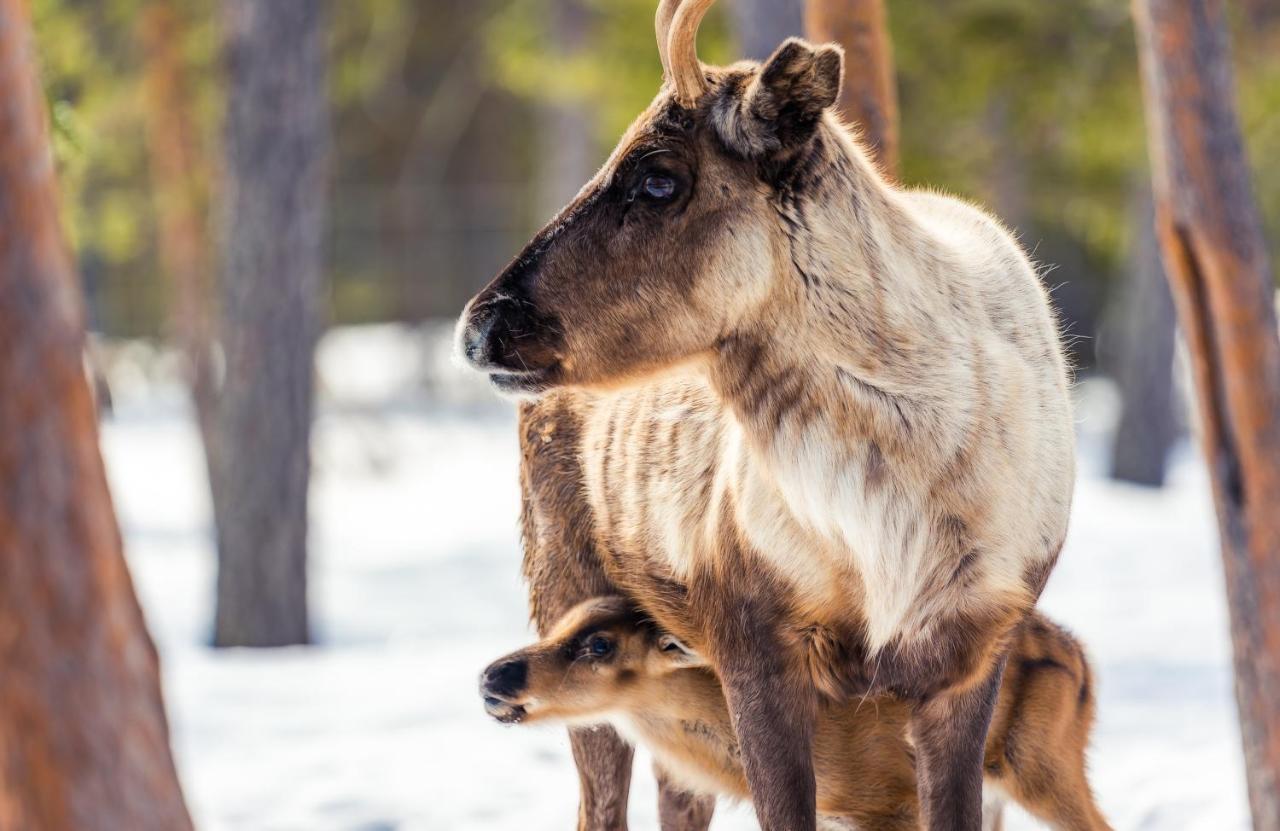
column 506, row 678
column 477, row 337
column 503, row 333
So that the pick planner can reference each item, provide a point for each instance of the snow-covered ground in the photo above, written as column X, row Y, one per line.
column 415, row 587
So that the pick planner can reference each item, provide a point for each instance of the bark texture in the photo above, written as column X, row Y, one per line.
column 1209, row 230
column 277, row 146
column 83, row 739
column 869, row 97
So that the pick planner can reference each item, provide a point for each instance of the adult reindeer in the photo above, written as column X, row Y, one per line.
column 821, row 423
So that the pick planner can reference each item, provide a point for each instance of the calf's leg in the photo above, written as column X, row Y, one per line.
column 563, row 568
column 951, row 679
column 604, row 778
column 679, row 810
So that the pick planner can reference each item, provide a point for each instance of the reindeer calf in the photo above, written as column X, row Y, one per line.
column 604, row 662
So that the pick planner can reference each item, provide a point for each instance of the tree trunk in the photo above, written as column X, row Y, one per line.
column 277, row 146
column 869, row 96
column 1007, row 174
column 566, row 129
column 177, row 172
column 83, row 739
column 762, row 25
column 1143, row 359
column 1211, row 236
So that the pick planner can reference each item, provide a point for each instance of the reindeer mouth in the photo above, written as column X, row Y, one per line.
column 526, row 382
column 504, row 711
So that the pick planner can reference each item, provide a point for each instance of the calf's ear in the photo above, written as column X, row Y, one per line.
column 778, row 109
column 677, row 654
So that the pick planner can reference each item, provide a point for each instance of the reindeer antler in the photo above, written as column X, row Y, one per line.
column 662, row 24
column 682, row 51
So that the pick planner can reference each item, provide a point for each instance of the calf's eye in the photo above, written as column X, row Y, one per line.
column 660, row 187
column 599, row 646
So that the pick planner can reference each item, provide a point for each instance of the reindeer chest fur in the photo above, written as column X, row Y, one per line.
column 891, row 452
column 831, row 519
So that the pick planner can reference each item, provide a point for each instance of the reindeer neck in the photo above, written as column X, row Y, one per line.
column 849, row 311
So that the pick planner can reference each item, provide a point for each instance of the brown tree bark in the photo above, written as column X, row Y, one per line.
column 869, row 97
column 1211, row 235
column 178, row 172
column 277, row 146
column 83, row 739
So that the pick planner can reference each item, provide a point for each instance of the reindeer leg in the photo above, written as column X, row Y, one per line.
column 949, row 729
column 952, row 681
column 771, row 701
column 680, row 810
column 773, row 717
column 604, row 777
column 563, row 568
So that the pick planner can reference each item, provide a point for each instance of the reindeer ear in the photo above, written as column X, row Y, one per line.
column 677, row 654
column 779, row 108
column 803, row 77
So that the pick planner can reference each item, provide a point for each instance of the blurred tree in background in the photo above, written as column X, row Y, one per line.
column 434, row 161
column 457, row 129
column 181, row 170
column 758, row 26
column 869, row 93
column 1139, row 351
column 274, row 207
column 93, row 75
column 1218, row 267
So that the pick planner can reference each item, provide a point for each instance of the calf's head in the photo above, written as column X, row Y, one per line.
column 602, row 657
column 677, row 241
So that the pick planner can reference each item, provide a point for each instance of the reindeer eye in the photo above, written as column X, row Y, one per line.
column 658, row 187
column 599, row 646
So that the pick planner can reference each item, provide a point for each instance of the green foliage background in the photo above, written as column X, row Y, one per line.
column 1031, row 107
